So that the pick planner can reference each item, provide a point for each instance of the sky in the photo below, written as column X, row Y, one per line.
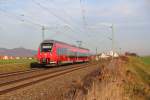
column 69, row 21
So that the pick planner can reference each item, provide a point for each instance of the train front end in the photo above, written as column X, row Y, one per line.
column 45, row 53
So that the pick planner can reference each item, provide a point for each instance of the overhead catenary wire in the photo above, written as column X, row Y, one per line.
column 19, row 18
column 29, row 15
column 37, row 24
column 50, row 12
column 70, row 17
column 63, row 10
column 60, row 18
column 44, row 27
column 72, row 37
column 78, row 30
column 82, row 14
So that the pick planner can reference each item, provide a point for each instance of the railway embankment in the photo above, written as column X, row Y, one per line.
column 126, row 78
column 106, row 83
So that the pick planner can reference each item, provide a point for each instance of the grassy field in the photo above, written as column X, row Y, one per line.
column 146, row 60
column 16, row 61
column 139, row 78
column 15, row 65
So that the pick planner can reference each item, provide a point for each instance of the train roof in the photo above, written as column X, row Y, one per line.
column 55, row 41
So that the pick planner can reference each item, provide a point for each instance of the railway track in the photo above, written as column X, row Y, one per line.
column 27, row 81
column 2, row 75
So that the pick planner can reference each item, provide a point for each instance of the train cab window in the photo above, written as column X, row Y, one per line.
column 46, row 47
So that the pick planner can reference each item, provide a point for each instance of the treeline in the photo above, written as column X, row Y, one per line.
column 131, row 54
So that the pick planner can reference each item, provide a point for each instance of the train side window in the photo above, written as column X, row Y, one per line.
column 58, row 51
column 70, row 53
column 66, row 51
column 62, row 51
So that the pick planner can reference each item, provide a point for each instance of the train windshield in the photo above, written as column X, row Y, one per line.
column 46, row 47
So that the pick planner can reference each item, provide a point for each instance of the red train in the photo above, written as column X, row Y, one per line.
column 56, row 52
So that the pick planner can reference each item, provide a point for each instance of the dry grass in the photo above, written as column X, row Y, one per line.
column 81, row 88
column 16, row 61
column 14, row 65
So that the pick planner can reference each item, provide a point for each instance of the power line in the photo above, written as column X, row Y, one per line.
column 83, row 16
column 70, row 26
column 53, row 14
column 48, row 10
column 65, row 12
column 43, row 28
column 62, row 9
column 19, row 18
column 58, row 17
column 10, row 15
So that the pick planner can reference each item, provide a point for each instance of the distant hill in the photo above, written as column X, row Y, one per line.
column 21, row 52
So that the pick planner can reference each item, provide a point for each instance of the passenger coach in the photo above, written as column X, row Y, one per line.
column 56, row 52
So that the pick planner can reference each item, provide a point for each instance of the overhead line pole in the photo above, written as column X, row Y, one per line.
column 112, row 28
column 96, row 51
column 43, row 33
column 84, row 18
column 83, row 14
column 79, row 43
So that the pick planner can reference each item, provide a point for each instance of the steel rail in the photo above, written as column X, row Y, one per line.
column 2, row 75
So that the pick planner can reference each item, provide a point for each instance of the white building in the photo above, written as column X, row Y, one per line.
column 103, row 55
column 5, row 57
column 17, row 57
column 109, row 54
column 114, row 54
